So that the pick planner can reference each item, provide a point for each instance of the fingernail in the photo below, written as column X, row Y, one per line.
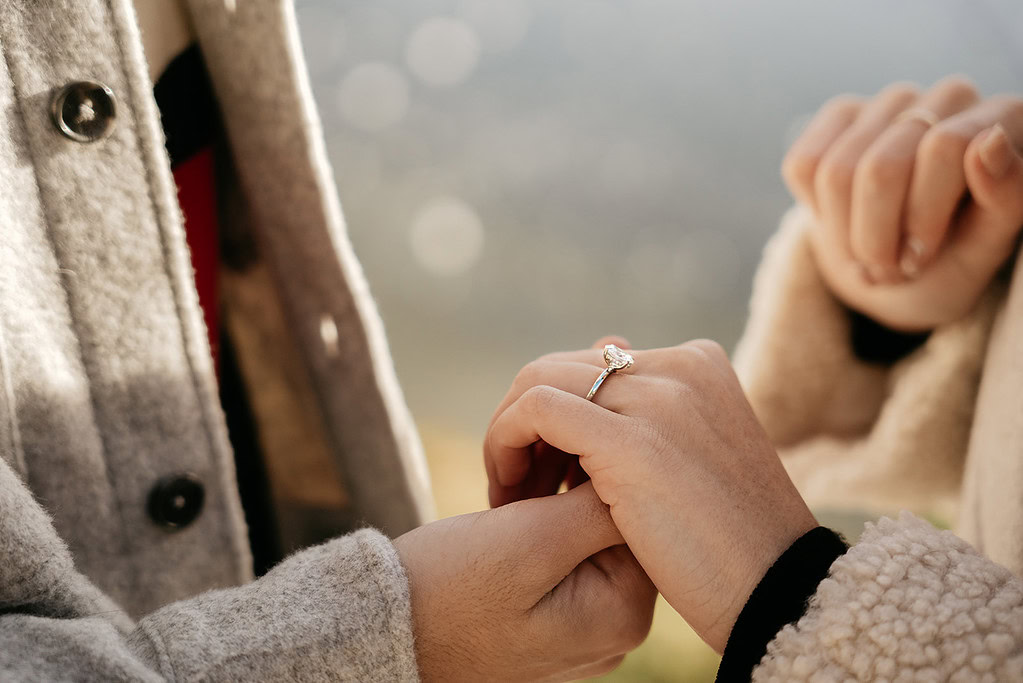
column 996, row 152
column 909, row 264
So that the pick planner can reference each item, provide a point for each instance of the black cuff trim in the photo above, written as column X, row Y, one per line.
column 780, row 599
column 872, row 342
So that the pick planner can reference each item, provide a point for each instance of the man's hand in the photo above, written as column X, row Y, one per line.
column 672, row 446
column 539, row 590
column 918, row 198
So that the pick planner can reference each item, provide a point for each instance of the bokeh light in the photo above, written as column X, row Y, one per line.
column 446, row 236
column 373, row 96
column 500, row 24
column 442, row 51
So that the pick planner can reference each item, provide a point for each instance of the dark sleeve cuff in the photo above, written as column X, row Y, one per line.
column 780, row 599
column 872, row 342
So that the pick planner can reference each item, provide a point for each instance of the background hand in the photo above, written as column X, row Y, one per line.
column 674, row 449
column 914, row 219
column 538, row 590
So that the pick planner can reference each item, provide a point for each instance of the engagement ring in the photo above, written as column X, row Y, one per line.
column 616, row 360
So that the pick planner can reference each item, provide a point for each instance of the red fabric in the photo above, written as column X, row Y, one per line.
column 198, row 200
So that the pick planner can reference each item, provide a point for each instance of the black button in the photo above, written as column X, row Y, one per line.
column 84, row 111
column 176, row 501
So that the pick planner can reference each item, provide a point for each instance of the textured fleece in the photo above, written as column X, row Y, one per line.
column 906, row 603
column 338, row 611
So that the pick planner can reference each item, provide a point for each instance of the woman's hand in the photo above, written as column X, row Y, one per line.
column 538, row 590
column 673, row 448
column 914, row 216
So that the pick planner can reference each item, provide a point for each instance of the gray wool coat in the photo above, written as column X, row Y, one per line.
column 107, row 384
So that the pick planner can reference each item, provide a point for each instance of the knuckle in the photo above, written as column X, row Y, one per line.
column 636, row 612
column 1011, row 107
column 709, row 349
column 899, row 91
column 943, row 145
column 529, row 372
column 956, row 88
column 539, row 398
column 841, row 104
column 798, row 169
column 879, row 172
column 834, row 177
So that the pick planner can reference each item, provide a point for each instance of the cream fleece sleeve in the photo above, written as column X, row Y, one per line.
column 851, row 432
column 906, row 603
column 338, row 611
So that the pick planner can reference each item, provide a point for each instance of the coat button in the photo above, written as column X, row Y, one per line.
column 176, row 501
column 84, row 111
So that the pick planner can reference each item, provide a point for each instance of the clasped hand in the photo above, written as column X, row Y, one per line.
column 918, row 201
column 673, row 449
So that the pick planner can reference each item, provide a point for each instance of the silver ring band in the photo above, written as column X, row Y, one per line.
column 616, row 360
column 600, row 380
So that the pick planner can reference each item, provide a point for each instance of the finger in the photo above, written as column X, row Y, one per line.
column 992, row 168
column 510, row 484
column 601, row 668
column 611, row 599
column 577, row 378
column 990, row 225
column 882, row 179
column 800, row 164
column 565, row 421
column 563, row 530
column 620, row 342
column 833, row 182
column 939, row 180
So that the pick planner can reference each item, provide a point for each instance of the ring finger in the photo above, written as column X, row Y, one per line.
column 833, row 182
column 882, row 180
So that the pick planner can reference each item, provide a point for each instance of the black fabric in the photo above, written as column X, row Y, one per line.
column 779, row 599
column 253, row 482
column 872, row 342
column 191, row 122
column 188, row 107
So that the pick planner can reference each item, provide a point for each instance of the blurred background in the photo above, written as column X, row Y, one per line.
column 522, row 176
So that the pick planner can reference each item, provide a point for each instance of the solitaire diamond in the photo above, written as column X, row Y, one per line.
column 617, row 359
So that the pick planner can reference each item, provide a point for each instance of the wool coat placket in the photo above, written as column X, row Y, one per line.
column 108, row 389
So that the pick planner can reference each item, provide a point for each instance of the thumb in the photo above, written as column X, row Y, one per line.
column 563, row 530
column 992, row 220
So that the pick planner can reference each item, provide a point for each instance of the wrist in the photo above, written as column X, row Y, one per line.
column 779, row 599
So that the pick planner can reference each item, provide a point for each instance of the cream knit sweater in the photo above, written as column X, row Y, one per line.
column 908, row 602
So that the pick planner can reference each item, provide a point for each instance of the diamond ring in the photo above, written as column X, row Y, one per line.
column 616, row 360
